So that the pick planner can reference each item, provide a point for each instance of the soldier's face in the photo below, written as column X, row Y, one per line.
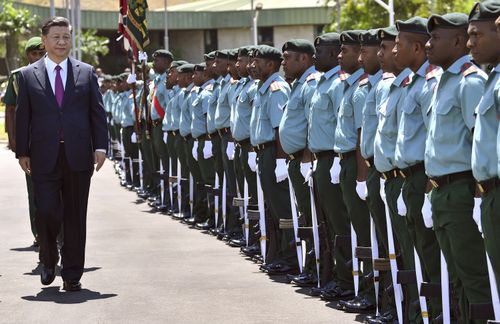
column 292, row 64
column 57, row 42
column 261, row 67
column 440, row 46
column 348, row 58
column 220, row 66
column 242, row 66
column 402, row 51
column 34, row 55
column 483, row 42
column 171, row 78
column 386, row 56
column 368, row 59
column 325, row 57
column 210, row 71
column 232, row 69
column 184, row 79
column 251, row 68
column 161, row 64
column 198, row 78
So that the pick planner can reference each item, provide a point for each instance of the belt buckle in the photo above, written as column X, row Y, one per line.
column 292, row 157
column 341, row 156
column 434, row 183
column 384, row 175
column 482, row 189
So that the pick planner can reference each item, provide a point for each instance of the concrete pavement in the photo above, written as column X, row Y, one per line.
column 140, row 268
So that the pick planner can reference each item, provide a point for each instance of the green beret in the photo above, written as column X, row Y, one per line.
column 163, row 53
column 200, row 66
column 267, row 52
column 177, row 63
column 186, row 68
column 351, row 37
column 245, row 51
column 387, row 33
column 224, row 54
column 328, row 39
column 299, row 46
column 233, row 54
column 209, row 56
column 414, row 25
column 450, row 20
column 486, row 10
column 34, row 43
column 369, row 38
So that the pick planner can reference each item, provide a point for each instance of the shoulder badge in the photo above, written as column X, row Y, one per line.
column 406, row 82
column 387, row 75
column 311, row 77
column 194, row 89
column 343, row 75
column 233, row 81
column 431, row 72
column 275, row 86
column 468, row 68
column 363, row 80
column 209, row 87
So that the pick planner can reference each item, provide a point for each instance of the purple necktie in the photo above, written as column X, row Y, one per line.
column 59, row 90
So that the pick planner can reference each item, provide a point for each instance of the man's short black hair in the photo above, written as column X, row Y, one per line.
column 55, row 21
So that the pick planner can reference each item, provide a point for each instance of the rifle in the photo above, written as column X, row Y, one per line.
column 137, row 112
column 144, row 101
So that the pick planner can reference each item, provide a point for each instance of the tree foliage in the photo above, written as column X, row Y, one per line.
column 93, row 46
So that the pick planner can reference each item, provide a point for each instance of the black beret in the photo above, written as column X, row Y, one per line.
column 267, row 52
column 177, row 63
column 299, row 45
column 163, row 53
column 200, row 66
column 245, row 50
column 486, row 10
column 414, row 25
column 388, row 33
column 209, row 56
column 328, row 39
column 186, row 68
column 222, row 54
column 369, row 38
column 232, row 54
column 350, row 37
column 450, row 20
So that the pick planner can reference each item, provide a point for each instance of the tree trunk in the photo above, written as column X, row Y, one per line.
column 12, row 51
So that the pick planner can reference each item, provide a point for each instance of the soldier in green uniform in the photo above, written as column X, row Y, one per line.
column 353, row 167
column 485, row 49
column 34, row 50
column 448, row 150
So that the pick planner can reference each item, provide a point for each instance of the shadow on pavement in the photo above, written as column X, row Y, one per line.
column 38, row 270
column 53, row 294
column 31, row 248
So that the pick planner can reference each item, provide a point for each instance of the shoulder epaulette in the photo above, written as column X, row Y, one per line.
column 311, row 77
column 275, row 86
column 343, row 75
column 431, row 72
column 233, row 81
column 387, row 75
column 406, row 81
column 468, row 68
column 364, row 79
column 194, row 89
column 209, row 87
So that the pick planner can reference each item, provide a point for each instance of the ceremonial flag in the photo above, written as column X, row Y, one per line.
column 133, row 25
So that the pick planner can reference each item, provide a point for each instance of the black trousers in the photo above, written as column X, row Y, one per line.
column 61, row 198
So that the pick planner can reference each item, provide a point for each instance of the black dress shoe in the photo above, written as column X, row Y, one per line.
column 304, row 279
column 316, row 291
column 279, row 269
column 190, row 221
column 72, row 286
column 48, row 275
column 384, row 318
column 359, row 304
column 337, row 293
column 251, row 250
column 237, row 242
column 203, row 226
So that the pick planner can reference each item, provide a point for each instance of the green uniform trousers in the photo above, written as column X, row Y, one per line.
column 331, row 204
column 132, row 153
column 233, row 222
column 461, row 243
column 199, row 208
column 490, row 220
column 248, row 174
column 148, row 168
column 160, row 154
column 423, row 239
column 181, row 156
column 359, row 217
column 376, row 207
column 207, row 173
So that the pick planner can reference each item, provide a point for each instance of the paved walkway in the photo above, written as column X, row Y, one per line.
column 141, row 268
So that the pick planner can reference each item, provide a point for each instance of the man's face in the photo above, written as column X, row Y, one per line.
column 198, row 77
column 184, row 79
column 210, row 70
column 483, row 42
column 348, row 58
column 323, row 58
column 171, row 78
column 251, row 68
column 232, row 69
column 386, row 56
column 220, row 66
column 402, row 51
column 57, row 42
column 160, row 64
column 439, row 45
column 34, row 55
column 368, row 59
column 292, row 64
column 262, row 67
column 242, row 66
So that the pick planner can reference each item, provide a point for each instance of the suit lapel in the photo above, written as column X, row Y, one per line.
column 43, row 79
column 71, row 79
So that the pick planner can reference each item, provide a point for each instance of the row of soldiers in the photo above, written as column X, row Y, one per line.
column 359, row 173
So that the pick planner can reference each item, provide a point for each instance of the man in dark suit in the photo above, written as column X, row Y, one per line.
column 61, row 134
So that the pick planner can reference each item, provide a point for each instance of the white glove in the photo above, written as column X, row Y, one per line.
column 165, row 137
column 335, row 171
column 315, row 165
column 361, row 189
column 143, row 56
column 476, row 213
column 207, row 150
column 382, row 189
column 195, row 150
column 230, row 151
column 252, row 161
column 133, row 138
column 306, row 170
column 131, row 78
column 401, row 205
column 427, row 212
column 281, row 170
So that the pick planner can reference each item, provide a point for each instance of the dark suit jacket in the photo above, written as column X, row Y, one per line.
column 40, row 121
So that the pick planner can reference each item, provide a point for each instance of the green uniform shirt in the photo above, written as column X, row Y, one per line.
column 10, row 97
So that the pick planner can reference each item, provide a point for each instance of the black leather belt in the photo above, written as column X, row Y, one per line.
column 411, row 170
column 243, row 143
column 329, row 153
column 394, row 173
column 347, row 155
column 201, row 137
column 187, row 137
column 224, row 131
column 175, row 132
column 296, row 155
column 370, row 162
column 265, row 145
column 488, row 185
column 442, row 181
column 211, row 135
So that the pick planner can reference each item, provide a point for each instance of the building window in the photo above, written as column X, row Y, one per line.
column 266, row 36
column 211, row 42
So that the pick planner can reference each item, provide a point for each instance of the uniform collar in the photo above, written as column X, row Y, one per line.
column 211, row 81
column 497, row 68
column 355, row 76
column 309, row 71
column 422, row 71
column 456, row 67
column 227, row 77
column 375, row 78
column 401, row 77
column 189, row 87
column 328, row 74
column 268, row 82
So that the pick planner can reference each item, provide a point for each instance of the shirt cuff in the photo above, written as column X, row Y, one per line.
column 101, row 150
